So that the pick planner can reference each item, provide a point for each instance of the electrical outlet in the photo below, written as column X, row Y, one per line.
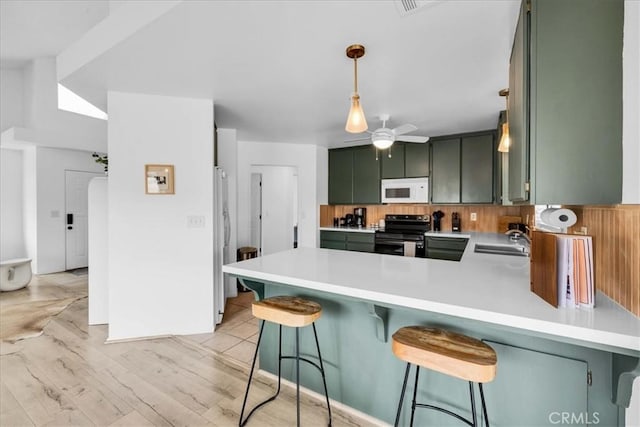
column 474, row 216
column 583, row 230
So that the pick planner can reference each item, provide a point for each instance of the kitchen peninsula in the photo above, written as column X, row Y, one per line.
column 549, row 360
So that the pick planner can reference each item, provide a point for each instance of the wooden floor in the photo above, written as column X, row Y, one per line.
column 68, row 376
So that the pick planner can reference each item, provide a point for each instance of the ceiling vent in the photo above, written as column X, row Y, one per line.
column 409, row 7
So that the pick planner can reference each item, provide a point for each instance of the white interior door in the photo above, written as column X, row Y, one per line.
column 256, row 211
column 76, row 224
column 278, row 198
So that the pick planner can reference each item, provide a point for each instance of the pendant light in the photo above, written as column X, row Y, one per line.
column 505, row 140
column 356, row 122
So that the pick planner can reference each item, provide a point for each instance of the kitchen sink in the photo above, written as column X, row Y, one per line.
column 515, row 250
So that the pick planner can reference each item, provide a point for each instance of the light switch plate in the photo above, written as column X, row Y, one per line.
column 195, row 221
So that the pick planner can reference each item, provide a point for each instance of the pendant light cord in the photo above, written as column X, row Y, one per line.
column 355, row 75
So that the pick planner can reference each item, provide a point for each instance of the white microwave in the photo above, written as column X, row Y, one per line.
column 405, row 190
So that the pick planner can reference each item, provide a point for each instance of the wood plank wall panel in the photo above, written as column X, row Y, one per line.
column 616, row 247
column 487, row 215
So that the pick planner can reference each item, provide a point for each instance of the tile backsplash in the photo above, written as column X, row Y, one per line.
column 486, row 215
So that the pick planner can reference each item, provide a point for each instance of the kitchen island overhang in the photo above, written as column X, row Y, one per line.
column 485, row 295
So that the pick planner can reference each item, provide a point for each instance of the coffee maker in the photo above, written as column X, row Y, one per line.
column 360, row 217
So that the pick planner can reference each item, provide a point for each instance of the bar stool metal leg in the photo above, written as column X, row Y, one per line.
column 484, row 406
column 415, row 393
column 253, row 364
column 404, row 388
column 298, row 375
column 473, row 405
column 324, row 381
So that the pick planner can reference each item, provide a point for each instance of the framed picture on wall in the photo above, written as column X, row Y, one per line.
column 158, row 179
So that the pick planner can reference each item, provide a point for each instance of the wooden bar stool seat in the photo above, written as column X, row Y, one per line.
column 289, row 311
column 449, row 353
column 294, row 312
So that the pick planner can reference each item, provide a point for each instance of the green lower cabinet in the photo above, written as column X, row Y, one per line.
column 345, row 240
column 333, row 239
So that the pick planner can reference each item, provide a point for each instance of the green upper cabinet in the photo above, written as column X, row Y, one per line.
column 366, row 175
column 565, row 103
column 462, row 169
column 354, row 176
column 445, row 171
column 392, row 161
column 408, row 160
column 477, row 172
column 340, row 176
column 416, row 160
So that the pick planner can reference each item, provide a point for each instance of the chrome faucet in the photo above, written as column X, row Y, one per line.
column 515, row 235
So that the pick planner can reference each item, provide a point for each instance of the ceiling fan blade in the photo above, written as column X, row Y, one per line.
column 366, row 138
column 413, row 138
column 406, row 128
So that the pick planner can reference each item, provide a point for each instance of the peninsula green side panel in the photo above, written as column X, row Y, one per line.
column 576, row 102
column 416, row 160
column 445, row 171
column 366, row 176
column 340, row 176
column 478, row 155
column 519, row 369
column 393, row 167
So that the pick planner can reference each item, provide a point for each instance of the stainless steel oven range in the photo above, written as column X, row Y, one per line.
column 399, row 229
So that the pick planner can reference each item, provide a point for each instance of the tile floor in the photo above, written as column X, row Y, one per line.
column 237, row 335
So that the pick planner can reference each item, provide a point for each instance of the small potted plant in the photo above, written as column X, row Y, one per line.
column 102, row 159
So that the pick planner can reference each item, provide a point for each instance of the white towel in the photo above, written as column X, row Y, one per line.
column 410, row 249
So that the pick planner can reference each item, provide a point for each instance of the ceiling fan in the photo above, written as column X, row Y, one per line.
column 384, row 137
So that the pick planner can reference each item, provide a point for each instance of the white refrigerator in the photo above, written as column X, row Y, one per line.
column 221, row 236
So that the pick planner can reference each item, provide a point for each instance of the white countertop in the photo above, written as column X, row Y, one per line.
column 485, row 287
column 350, row 229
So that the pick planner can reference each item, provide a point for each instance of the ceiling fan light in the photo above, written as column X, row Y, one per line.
column 382, row 140
column 505, row 141
column 356, row 122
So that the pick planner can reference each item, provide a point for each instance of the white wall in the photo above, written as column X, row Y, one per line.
column 631, row 104
column 60, row 129
column 301, row 156
column 11, row 229
column 160, row 271
column 10, row 98
column 50, row 233
column 98, row 286
column 30, row 204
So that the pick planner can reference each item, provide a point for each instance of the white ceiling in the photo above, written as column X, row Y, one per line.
column 35, row 28
column 277, row 70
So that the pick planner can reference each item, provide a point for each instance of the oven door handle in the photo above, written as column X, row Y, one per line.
column 396, row 242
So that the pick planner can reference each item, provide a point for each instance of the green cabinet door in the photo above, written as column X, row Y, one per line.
column 392, row 161
column 445, row 171
column 518, row 111
column 416, row 160
column 340, row 176
column 478, row 158
column 333, row 239
column 366, row 176
column 565, row 103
